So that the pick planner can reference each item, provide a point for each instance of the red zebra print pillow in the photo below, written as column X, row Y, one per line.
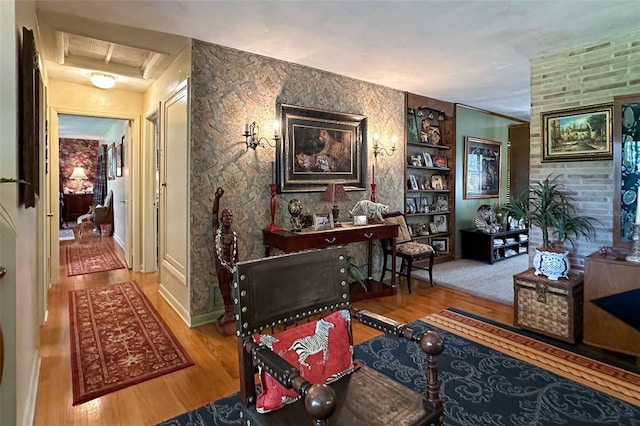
column 321, row 350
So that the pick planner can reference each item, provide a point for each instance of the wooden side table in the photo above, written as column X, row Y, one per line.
column 610, row 276
column 552, row 308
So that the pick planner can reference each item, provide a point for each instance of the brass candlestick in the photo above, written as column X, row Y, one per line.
column 634, row 256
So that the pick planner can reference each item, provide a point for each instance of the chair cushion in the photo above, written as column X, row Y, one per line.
column 321, row 357
column 413, row 248
column 403, row 231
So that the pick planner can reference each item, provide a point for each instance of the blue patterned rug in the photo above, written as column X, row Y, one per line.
column 479, row 385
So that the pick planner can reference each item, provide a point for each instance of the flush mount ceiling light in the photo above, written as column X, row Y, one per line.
column 103, row 81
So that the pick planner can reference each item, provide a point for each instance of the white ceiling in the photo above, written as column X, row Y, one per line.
column 471, row 52
column 83, row 127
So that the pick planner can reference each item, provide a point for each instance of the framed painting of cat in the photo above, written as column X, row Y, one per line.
column 320, row 147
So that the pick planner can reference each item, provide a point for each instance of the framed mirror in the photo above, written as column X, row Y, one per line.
column 626, row 161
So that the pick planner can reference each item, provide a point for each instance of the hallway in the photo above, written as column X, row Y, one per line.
column 142, row 404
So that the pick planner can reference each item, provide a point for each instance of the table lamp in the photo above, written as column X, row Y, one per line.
column 335, row 192
column 78, row 175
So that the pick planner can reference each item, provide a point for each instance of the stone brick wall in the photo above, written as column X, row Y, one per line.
column 583, row 76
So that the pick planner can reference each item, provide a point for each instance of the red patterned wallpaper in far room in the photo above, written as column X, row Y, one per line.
column 78, row 153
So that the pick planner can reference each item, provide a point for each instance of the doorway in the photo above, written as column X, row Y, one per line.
column 84, row 178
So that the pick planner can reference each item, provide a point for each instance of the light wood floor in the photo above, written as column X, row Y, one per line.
column 215, row 374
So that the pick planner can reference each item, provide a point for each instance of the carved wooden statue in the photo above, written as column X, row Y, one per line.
column 225, row 249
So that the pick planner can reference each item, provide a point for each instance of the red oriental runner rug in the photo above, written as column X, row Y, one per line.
column 118, row 339
column 87, row 259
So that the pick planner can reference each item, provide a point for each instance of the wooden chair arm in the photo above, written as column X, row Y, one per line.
column 379, row 322
column 430, row 342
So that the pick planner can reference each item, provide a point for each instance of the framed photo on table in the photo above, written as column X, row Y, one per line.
column 577, row 134
column 322, row 221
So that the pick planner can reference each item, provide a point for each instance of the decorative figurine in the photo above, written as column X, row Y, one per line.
column 373, row 211
column 226, row 256
column 482, row 221
column 295, row 210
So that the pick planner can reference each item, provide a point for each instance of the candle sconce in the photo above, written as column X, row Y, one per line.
column 253, row 139
column 377, row 149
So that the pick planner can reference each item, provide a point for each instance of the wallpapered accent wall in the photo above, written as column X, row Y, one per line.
column 228, row 88
column 78, row 153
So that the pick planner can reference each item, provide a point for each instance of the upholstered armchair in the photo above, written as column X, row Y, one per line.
column 103, row 214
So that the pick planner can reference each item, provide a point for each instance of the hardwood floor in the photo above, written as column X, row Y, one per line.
column 216, row 371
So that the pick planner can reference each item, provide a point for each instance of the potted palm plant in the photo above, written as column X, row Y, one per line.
column 548, row 205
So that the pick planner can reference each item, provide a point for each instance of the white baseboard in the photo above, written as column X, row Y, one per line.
column 29, row 409
column 168, row 297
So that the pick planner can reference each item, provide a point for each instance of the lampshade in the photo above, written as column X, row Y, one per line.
column 78, row 174
column 335, row 192
column 103, row 81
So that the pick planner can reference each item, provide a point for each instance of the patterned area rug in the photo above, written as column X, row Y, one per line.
column 481, row 385
column 117, row 340
column 90, row 258
column 66, row 235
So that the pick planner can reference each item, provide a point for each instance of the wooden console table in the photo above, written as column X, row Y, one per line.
column 288, row 242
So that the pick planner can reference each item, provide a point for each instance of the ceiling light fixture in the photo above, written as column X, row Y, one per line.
column 103, row 81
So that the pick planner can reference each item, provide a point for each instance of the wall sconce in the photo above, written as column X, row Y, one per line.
column 377, row 149
column 253, row 139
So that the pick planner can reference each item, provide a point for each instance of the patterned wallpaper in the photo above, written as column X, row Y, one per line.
column 227, row 88
column 78, row 153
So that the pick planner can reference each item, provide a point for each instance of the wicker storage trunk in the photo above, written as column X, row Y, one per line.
column 552, row 308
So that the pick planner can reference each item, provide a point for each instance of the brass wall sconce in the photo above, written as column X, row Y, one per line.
column 377, row 149
column 253, row 139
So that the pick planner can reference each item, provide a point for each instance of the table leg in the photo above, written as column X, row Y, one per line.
column 369, row 259
column 393, row 262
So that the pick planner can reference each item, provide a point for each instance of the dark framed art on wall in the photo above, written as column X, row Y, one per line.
column 482, row 169
column 319, row 147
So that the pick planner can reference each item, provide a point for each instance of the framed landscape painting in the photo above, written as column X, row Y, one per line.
column 577, row 134
column 321, row 147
